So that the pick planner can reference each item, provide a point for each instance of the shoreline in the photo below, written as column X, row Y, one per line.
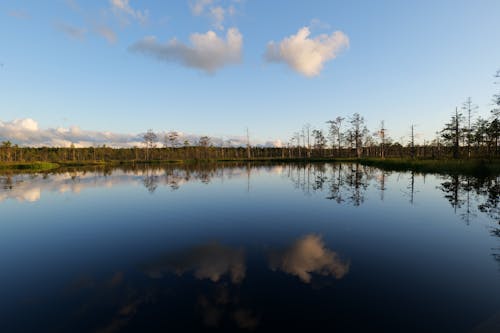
column 441, row 166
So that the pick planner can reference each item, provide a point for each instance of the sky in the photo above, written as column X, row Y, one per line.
column 105, row 71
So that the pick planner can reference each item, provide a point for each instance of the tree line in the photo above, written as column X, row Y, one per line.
column 464, row 136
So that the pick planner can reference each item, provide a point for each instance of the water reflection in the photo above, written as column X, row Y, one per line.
column 468, row 195
column 164, row 270
column 349, row 183
column 309, row 255
column 209, row 261
column 220, row 294
column 346, row 183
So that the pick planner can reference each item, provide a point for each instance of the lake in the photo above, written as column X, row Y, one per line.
column 269, row 247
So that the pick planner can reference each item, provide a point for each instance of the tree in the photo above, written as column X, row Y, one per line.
column 495, row 123
column 358, row 132
column 382, row 134
column 6, row 149
column 412, row 141
column 335, row 132
column 319, row 140
column 494, row 133
column 496, row 99
column 453, row 131
column 149, row 140
column 306, row 134
column 172, row 138
column 249, row 152
column 469, row 108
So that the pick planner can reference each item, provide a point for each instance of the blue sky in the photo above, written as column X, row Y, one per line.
column 92, row 65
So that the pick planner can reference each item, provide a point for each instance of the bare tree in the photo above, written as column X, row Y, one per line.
column 249, row 154
column 359, row 131
column 335, row 132
column 173, row 139
column 149, row 140
column 204, row 141
column 469, row 109
column 319, row 140
column 412, row 141
column 306, row 132
column 381, row 133
column 453, row 131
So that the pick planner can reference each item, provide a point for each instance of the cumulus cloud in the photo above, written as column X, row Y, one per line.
column 207, row 52
column 122, row 9
column 210, row 261
column 309, row 255
column 71, row 31
column 107, row 33
column 306, row 55
column 26, row 132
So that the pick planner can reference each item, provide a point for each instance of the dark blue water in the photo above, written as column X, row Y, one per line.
column 323, row 247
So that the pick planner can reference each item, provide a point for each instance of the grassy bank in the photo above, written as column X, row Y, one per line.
column 35, row 166
column 471, row 167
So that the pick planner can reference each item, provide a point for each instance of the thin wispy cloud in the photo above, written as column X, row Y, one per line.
column 107, row 33
column 198, row 6
column 73, row 5
column 71, row 31
column 207, row 52
column 123, row 10
column 216, row 11
column 217, row 14
column 20, row 14
column 304, row 54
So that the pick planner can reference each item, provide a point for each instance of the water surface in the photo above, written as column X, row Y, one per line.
column 249, row 247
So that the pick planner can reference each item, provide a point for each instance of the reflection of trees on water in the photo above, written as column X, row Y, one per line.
column 150, row 181
column 349, row 183
column 343, row 182
column 496, row 254
column 469, row 195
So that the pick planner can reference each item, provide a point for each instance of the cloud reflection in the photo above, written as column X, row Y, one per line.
column 309, row 255
column 210, row 261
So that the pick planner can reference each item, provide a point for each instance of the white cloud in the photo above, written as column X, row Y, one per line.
column 207, row 52
column 122, row 7
column 26, row 132
column 306, row 55
column 71, row 31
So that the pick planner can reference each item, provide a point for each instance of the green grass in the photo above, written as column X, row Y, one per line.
column 35, row 166
column 471, row 167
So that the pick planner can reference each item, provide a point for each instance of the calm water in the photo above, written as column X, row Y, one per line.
column 323, row 247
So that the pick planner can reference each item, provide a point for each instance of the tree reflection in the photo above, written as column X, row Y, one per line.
column 465, row 192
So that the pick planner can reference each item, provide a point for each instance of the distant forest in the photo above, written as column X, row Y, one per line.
column 464, row 136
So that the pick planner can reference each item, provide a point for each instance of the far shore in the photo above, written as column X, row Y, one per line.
column 440, row 166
